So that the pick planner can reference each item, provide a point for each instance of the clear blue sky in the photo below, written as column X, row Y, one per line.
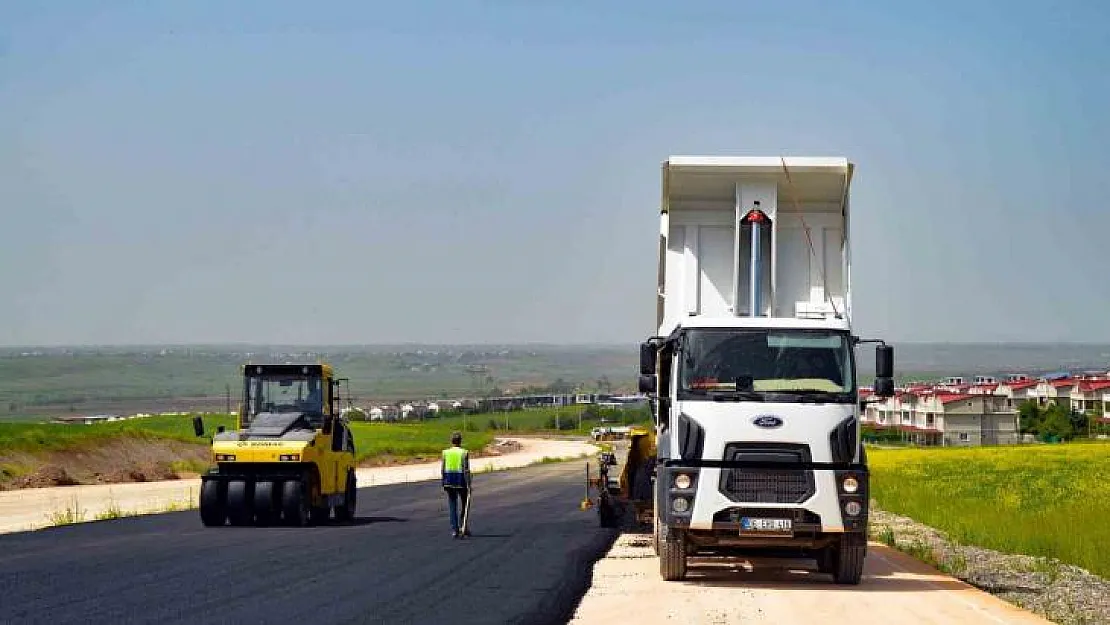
column 452, row 171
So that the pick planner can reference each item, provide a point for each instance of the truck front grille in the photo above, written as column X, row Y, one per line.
column 783, row 486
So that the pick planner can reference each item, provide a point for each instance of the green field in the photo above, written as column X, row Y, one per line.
column 374, row 441
column 1045, row 500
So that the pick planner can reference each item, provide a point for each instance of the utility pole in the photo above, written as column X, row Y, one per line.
column 227, row 395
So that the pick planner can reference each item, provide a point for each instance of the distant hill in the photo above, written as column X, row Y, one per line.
column 53, row 381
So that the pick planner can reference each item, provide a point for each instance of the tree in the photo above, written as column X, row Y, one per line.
column 1057, row 422
column 1031, row 417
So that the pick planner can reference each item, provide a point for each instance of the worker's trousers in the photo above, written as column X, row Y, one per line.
column 456, row 503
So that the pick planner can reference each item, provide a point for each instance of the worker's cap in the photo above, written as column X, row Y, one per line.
column 456, row 437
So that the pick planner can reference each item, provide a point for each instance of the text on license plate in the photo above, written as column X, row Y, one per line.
column 748, row 524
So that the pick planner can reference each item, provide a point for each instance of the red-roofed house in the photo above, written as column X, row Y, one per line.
column 1017, row 391
column 1053, row 391
column 941, row 417
column 1088, row 395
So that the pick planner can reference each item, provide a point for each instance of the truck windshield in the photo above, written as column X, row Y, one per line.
column 758, row 362
column 284, row 393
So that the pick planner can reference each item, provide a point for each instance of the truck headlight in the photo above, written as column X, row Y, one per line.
column 682, row 481
column 289, row 457
column 850, row 484
column 225, row 458
column 852, row 508
column 680, row 504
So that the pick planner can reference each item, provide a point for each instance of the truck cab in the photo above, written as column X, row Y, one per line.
column 752, row 370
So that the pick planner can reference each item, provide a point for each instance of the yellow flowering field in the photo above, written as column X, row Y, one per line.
column 1039, row 500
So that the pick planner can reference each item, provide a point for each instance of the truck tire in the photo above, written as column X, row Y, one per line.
column 213, row 513
column 606, row 514
column 641, row 482
column 849, row 557
column 655, row 536
column 346, row 511
column 826, row 560
column 672, row 555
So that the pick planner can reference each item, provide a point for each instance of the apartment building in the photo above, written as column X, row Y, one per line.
column 947, row 415
column 984, row 412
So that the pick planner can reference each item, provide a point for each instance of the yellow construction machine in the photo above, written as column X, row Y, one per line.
column 292, row 460
column 624, row 478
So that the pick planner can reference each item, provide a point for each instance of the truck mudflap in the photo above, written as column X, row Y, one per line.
column 678, row 485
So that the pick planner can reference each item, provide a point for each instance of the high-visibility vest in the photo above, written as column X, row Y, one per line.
column 454, row 459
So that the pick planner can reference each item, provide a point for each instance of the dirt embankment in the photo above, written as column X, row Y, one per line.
column 496, row 448
column 125, row 459
column 115, row 460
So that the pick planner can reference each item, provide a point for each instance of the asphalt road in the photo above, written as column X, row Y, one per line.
column 528, row 561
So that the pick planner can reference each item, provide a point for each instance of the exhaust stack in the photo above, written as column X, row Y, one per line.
column 755, row 217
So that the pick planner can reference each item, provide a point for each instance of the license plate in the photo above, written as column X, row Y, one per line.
column 769, row 526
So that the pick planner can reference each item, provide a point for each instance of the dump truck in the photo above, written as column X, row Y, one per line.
column 292, row 459
column 751, row 367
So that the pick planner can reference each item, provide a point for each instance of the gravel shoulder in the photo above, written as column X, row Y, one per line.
column 1060, row 592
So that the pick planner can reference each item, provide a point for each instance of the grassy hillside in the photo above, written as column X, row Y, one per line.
column 43, row 454
column 1049, row 500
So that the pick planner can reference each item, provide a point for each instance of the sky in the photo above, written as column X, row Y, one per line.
column 452, row 171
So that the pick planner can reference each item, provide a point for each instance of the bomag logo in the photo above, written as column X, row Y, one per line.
column 258, row 444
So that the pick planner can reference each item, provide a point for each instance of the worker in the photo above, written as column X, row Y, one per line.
column 455, row 468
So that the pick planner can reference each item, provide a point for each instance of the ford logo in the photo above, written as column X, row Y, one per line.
column 767, row 421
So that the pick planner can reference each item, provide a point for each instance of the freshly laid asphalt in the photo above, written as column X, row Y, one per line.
column 528, row 561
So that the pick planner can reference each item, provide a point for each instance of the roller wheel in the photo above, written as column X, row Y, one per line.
column 213, row 513
column 672, row 554
column 320, row 515
column 264, row 508
column 294, row 504
column 239, row 497
column 346, row 511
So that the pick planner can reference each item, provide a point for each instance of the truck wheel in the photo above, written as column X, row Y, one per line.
column 239, row 502
column 655, row 536
column 826, row 560
column 212, row 510
column 346, row 511
column 849, row 556
column 672, row 555
column 641, row 483
column 294, row 504
column 607, row 516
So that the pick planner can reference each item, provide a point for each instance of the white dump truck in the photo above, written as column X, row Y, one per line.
column 752, row 369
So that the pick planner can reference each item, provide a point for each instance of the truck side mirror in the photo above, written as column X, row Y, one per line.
column 884, row 361
column 647, row 359
column 647, row 383
column 884, row 371
column 198, row 425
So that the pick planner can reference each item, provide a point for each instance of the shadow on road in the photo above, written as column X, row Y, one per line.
column 779, row 577
column 370, row 520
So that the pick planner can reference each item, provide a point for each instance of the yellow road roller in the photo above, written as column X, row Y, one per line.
column 292, row 459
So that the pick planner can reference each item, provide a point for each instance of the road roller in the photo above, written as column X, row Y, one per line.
column 292, row 459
